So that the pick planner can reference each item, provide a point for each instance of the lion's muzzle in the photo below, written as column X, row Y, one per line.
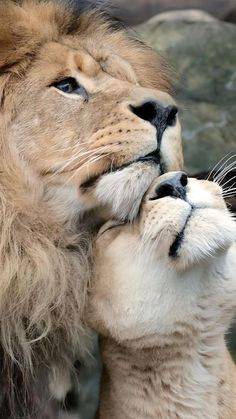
column 159, row 116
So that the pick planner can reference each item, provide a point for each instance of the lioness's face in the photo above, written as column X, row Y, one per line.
column 153, row 274
column 81, row 112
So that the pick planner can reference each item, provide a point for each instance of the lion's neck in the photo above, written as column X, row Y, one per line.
column 177, row 380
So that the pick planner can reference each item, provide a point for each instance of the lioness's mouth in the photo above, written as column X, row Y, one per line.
column 174, row 248
column 176, row 245
column 154, row 157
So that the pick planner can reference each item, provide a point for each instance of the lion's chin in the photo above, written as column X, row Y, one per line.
column 123, row 190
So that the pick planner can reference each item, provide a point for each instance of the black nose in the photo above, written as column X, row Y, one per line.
column 159, row 116
column 174, row 186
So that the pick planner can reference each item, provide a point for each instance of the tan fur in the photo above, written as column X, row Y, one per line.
column 50, row 144
column 162, row 318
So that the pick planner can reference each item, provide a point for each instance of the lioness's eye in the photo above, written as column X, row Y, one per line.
column 70, row 85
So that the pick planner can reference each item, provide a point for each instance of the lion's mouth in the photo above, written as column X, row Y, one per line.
column 153, row 157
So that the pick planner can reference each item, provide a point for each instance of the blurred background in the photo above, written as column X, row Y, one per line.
column 137, row 11
column 198, row 39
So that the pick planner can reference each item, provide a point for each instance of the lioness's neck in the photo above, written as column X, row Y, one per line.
column 176, row 380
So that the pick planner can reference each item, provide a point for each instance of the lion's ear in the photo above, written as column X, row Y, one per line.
column 15, row 38
column 25, row 25
column 13, row 48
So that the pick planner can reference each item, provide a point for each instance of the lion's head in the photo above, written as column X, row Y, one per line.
column 82, row 99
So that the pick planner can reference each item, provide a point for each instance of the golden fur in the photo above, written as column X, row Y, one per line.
column 51, row 146
column 163, row 313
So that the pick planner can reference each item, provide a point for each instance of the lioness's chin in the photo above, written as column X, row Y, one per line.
column 122, row 191
column 193, row 236
column 185, row 221
column 189, row 236
column 206, row 233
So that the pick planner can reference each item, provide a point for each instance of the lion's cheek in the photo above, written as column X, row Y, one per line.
column 123, row 191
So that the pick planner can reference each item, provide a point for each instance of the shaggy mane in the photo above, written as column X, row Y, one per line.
column 40, row 303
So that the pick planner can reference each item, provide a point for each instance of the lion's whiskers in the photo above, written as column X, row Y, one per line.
column 87, row 153
column 70, row 147
column 87, row 163
column 78, row 155
column 89, row 156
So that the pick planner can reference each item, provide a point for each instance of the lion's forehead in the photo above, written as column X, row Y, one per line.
column 68, row 56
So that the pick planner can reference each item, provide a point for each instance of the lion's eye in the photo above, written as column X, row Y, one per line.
column 70, row 85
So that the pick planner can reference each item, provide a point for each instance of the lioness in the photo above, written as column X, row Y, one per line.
column 86, row 123
column 162, row 298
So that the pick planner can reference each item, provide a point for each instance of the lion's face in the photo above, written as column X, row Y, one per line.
column 153, row 274
column 85, row 107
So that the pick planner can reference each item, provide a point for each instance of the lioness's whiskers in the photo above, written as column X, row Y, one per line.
column 225, row 172
column 216, row 169
column 231, row 192
column 230, row 188
column 228, row 181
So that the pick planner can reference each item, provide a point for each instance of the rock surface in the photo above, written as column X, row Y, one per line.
column 138, row 11
column 203, row 57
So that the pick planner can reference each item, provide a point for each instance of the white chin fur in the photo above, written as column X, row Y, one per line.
column 123, row 190
column 209, row 233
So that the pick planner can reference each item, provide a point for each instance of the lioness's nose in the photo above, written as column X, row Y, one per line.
column 174, row 186
column 159, row 116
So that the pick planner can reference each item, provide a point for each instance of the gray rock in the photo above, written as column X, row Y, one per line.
column 188, row 15
column 138, row 11
column 203, row 56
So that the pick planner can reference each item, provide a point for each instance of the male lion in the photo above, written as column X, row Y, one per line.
column 86, row 124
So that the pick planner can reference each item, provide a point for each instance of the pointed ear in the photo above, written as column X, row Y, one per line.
column 24, row 25
column 15, row 39
column 12, row 49
column 7, row 44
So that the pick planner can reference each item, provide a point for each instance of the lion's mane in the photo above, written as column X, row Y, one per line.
column 44, row 274
column 44, row 264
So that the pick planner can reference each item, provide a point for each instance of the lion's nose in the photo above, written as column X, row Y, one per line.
column 159, row 116
column 175, row 186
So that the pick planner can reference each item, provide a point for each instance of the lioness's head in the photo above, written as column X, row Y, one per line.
column 82, row 100
column 158, row 272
